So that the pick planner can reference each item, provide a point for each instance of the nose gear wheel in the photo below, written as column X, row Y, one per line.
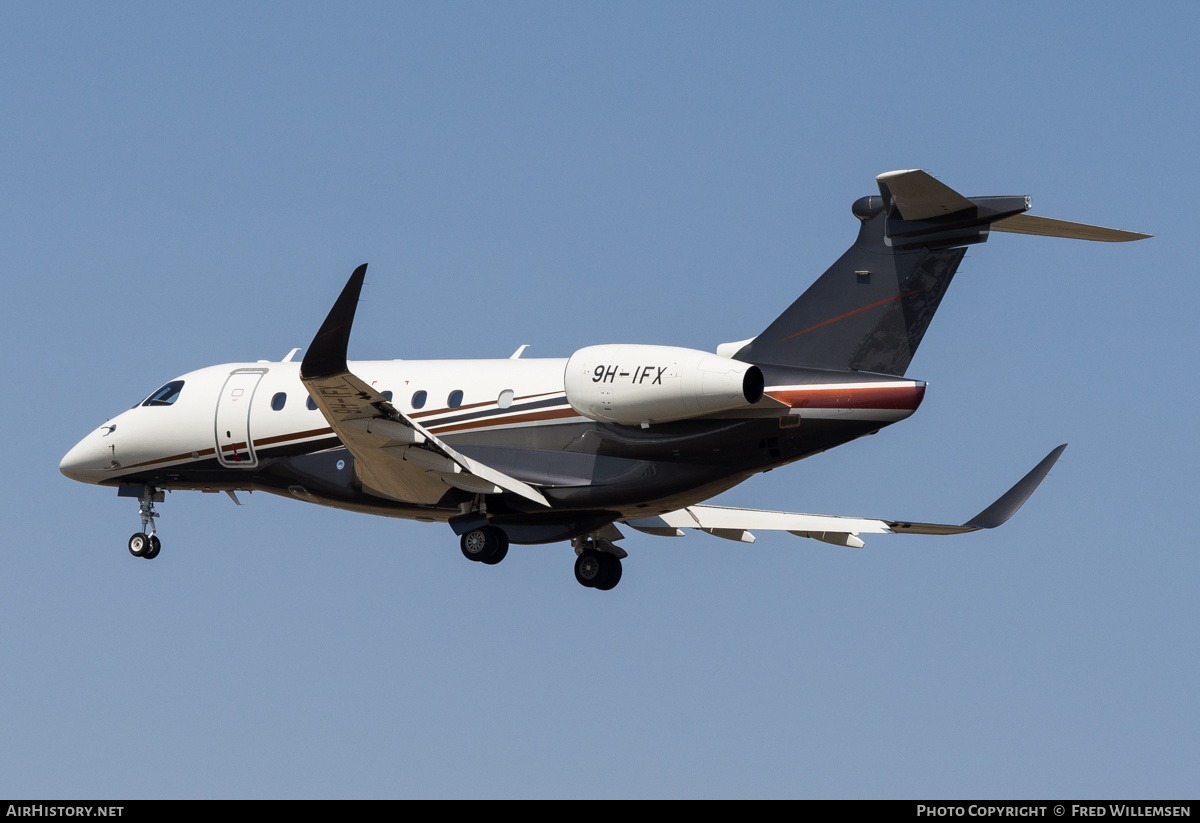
column 145, row 544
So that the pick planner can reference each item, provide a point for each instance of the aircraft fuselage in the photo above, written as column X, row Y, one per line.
column 252, row 426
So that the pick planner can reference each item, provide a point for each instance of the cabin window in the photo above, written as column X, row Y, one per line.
column 165, row 396
column 455, row 399
column 418, row 399
column 505, row 399
column 387, row 395
column 278, row 400
column 310, row 404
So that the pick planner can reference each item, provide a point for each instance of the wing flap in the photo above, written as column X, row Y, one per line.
column 736, row 524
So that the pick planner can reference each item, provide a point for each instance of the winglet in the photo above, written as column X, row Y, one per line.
column 326, row 354
column 999, row 512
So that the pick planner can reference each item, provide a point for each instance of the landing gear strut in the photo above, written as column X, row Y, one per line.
column 486, row 544
column 597, row 567
column 145, row 543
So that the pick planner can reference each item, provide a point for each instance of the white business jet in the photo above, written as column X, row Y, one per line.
column 527, row 451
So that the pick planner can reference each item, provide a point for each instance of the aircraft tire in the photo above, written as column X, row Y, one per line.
column 473, row 544
column 614, row 572
column 501, row 550
column 485, row 545
column 154, row 548
column 139, row 544
column 591, row 570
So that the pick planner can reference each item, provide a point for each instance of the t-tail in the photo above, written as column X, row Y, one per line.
column 870, row 310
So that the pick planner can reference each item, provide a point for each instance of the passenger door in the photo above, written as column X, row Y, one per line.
column 235, row 449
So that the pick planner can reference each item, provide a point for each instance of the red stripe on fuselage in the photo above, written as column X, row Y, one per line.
column 530, row 417
column 881, row 397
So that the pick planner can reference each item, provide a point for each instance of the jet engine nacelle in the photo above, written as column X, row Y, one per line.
column 656, row 384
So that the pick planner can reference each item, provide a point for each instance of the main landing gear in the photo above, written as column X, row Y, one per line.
column 145, row 543
column 486, row 544
column 598, row 566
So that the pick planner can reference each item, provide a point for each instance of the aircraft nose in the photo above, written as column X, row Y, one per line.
column 88, row 459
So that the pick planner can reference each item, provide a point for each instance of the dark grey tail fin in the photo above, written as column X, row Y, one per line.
column 869, row 311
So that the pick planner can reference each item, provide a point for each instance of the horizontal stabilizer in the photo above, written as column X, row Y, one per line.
column 917, row 195
column 1047, row 227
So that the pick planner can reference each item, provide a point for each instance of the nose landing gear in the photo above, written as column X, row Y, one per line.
column 145, row 543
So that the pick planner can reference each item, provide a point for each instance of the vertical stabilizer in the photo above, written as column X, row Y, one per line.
column 870, row 310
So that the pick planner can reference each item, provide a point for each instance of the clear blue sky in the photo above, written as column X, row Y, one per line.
column 188, row 185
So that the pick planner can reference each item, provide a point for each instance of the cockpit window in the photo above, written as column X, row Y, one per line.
column 165, row 396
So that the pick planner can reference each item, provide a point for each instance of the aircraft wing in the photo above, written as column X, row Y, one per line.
column 395, row 456
column 735, row 524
